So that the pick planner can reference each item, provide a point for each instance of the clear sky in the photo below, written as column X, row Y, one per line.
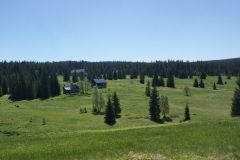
column 131, row 30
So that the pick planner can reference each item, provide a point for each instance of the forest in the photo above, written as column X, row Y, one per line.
column 30, row 80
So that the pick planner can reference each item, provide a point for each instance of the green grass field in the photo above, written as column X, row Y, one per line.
column 211, row 134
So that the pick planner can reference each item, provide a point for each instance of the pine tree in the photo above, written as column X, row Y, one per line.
column 155, row 80
column 44, row 86
column 195, row 84
column 1, row 91
column 115, row 75
column 187, row 113
column 110, row 76
column 4, row 86
column 161, row 82
column 203, row 75
column 74, row 77
column 220, row 81
column 170, row 81
column 235, row 110
column 214, row 86
column 66, row 76
column 1, row 94
column 54, row 85
column 201, row 84
column 142, row 77
column 154, row 107
column 148, row 89
column 116, row 105
column 110, row 118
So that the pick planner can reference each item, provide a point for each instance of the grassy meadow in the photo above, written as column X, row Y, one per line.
column 69, row 134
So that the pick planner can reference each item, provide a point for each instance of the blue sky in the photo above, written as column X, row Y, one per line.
column 131, row 30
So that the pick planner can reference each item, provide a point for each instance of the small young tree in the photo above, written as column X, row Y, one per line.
column 165, row 108
column 101, row 102
column 187, row 91
column 220, row 81
column 201, row 84
column 154, row 107
column 214, row 86
column 44, row 121
column 116, row 105
column 195, row 84
column 187, row 113
column 95, row 100
column 110, row 118
column 148, row 89
column 235, row 110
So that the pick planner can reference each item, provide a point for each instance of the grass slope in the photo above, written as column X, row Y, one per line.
column 212, row 133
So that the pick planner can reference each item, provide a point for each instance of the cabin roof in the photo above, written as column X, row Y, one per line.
column 100, row 80
column 78, row 71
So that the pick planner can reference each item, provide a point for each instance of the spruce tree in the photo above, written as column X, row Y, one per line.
column 1, row 91
column 4, row 86
column 44, row 86
column 66, row 76
column 154, row 107
column 148, row 89
column 115, row 75
column 110, row 118
column 161, row 82
column 74, row 77
column 195, row 84
column 54, row 85
column 203, row 75
column 116, row 105
column 187, row 113
column 201, row 84
column 220, row 81
column 110, row 76
column 142, row 77
column 155, row 80
column 214, row 86
column 235, row 110
column 170, row 81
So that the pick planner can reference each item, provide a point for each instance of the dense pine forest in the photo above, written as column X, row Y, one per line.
column 30, row 80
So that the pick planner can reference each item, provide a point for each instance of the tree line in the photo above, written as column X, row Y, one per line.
column 29, row 80
column 29, row 84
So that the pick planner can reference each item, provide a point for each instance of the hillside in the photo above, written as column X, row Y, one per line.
column 211, row 133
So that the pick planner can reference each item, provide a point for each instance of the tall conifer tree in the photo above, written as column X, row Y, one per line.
column 109, row 118
column 235, row 110
column 154, row 107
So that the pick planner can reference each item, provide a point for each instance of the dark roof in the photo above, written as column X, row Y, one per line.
column 100, row 80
